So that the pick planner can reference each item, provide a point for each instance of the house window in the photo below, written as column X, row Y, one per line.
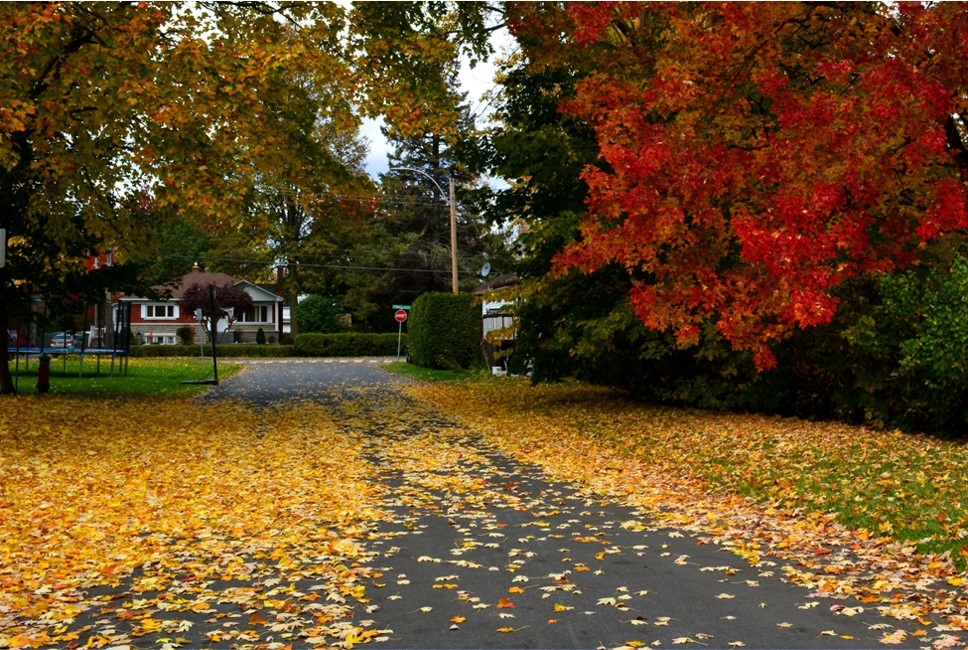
column 255, row 314
column 160, row 311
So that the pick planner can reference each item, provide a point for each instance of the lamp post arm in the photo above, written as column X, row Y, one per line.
column 422, row 173
column 452, row 203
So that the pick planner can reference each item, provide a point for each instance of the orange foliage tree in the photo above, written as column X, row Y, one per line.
column 754, row 157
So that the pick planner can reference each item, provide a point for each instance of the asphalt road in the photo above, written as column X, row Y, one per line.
column 270, row 382
column 520, row 562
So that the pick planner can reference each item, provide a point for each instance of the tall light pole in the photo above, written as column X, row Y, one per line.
column 453, row 218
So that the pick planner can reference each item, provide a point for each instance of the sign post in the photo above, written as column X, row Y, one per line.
column 401, row 316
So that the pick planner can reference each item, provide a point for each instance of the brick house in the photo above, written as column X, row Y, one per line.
column 157, row 321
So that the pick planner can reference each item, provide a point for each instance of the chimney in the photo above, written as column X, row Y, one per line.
column 196, row 268
column 280, row 276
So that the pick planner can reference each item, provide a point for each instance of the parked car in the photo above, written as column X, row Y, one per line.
column 62, row 340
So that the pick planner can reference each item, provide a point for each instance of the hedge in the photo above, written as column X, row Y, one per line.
column 349, row 344
column 445, row 331
column 224, row 350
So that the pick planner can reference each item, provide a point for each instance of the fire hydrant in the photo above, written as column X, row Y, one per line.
column 43, row 374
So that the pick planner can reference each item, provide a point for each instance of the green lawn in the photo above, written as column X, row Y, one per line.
column 429, row 374
column 138, row 377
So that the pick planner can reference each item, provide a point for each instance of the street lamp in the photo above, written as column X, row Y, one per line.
column 453, row 219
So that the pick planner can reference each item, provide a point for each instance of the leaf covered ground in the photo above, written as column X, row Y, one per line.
column 135, row 514
column 162, row 523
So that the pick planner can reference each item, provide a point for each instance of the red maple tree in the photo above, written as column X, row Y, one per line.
column 754, row 156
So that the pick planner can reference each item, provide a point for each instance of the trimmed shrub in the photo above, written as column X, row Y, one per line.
column 238, row 350
column 445, row 331
column 350, row 344
column 260, row 336
column 185, row 334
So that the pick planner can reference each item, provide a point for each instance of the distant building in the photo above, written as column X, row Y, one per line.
column 158, row 321
column 497, row 321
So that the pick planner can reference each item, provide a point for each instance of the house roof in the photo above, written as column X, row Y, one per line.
column 260, row 292
column 205, row 278
column 497, row 282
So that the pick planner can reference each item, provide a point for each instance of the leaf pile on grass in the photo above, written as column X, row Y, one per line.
column 122, row 518
column 876, row 515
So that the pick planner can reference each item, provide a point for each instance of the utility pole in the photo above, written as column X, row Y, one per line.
column 453, row 236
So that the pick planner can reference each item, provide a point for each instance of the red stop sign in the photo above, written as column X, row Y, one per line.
column 400, row 315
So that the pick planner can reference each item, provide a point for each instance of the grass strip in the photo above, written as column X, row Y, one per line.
column 146, row 378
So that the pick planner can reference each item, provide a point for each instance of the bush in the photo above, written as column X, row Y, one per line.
column 260, row 336
column 185, row 334
column 917, row 338
column 319, row 314
column 237, row 350
column 445, row 331
column 350, row 344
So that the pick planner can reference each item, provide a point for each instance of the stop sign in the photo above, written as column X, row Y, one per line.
column 400, row 315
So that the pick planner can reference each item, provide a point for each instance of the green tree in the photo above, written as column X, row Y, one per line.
column 306, row 208
column 411, row 236
column 319, row 313
column 103, row 100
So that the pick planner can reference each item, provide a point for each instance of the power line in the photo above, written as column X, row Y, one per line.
column 344, row 267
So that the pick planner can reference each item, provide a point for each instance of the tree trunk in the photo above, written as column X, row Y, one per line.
column 6, row 381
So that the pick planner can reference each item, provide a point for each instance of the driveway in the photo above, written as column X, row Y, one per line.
column 270, row 382
column 478, row 551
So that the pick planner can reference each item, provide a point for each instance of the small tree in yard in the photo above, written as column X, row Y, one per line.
column 185, row 334
column 215, row 303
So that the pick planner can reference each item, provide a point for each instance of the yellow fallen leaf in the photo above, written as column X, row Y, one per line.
column 898, row 636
